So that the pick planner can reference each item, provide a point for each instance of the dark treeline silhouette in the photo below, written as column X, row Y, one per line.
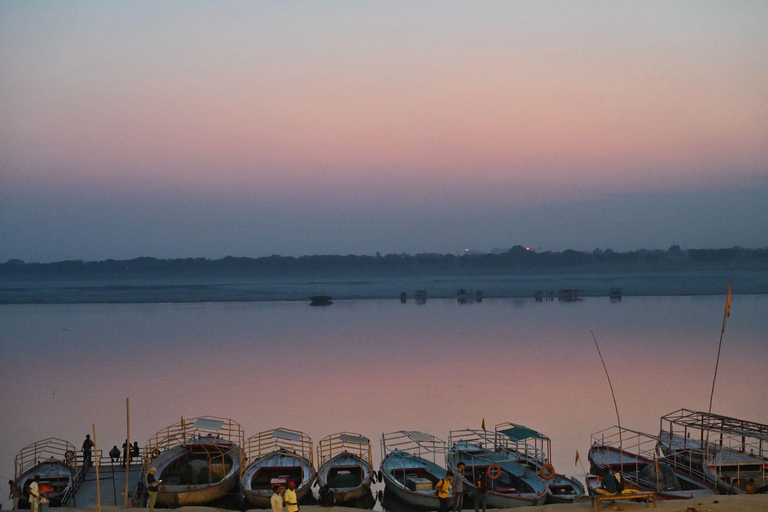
column 516, row 259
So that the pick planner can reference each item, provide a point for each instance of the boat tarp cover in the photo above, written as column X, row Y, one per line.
column 519, row 432
column 284, row 434
column 354, row 439
column 208, row 423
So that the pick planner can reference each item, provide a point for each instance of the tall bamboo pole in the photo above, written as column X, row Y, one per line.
column 96, row 458
column 127, row 448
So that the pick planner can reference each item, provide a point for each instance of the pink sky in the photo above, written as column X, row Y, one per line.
column 492, row 103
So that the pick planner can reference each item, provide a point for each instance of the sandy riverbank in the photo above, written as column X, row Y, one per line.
column 741, row 503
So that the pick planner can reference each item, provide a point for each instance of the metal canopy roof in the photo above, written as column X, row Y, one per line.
column 285, row 434
column 519, row 433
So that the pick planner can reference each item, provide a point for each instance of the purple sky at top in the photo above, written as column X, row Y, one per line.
column 176, row 129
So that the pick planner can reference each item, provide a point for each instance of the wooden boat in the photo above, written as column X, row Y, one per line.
column 412, row 463
column 642, row 466
column 514, row 484
column 55, row 460
column 728, row 451
column 280, row 456
column 345, row 465
column 198, row 460
column 533, row 450
column 321, row 300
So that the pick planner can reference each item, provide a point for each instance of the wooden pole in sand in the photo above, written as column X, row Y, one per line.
column 127, row 449
column 96, row 458
column 717, row 362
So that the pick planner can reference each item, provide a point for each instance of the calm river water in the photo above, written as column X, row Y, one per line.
column 374, row 366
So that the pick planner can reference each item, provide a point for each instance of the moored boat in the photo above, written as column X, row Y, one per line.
column 276, row 456
column 197, row 460
column 345, row 465
column 510, row 484
column 636, row 457
column 728, row 451
column 533, row 449
column 55, row 461
column 412, row 463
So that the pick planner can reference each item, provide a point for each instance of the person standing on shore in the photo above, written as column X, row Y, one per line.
column 291, row 503
column 443, row 488
column 481, row 493
column 276, row 501
column 14, row 494
column 458, row 488
column 34, row 493
column 152, row 484
column 87, row 445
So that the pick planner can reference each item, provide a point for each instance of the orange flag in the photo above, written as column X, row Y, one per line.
column 727, row 307
column 576, row 461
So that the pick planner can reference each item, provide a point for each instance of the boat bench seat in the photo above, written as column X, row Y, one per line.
column 649, row 497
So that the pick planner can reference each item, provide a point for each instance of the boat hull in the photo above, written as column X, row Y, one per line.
column 56, row 473
column 331, row 473
column 281, row 464
column 178, row 492
column 412, row 466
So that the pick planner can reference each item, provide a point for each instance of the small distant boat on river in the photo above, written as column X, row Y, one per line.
column 643, row 467
column 279, row 456
column 410, row 467
column 510, row 484
column 533, row 449
column 320, row 300
column 198, row 460
column 345, row 465
column 55, row 461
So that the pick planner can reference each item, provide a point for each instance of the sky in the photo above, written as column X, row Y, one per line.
column 206, row 129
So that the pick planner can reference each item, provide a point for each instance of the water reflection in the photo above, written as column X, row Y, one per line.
column 376, row 366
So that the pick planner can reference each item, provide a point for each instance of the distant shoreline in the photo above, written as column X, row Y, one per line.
column 196, row 289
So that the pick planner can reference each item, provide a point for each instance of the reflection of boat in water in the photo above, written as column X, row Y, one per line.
column 532, row 450
column 510, row 484
column 728, row 451
column 55, row 461
column 643, row 467
column 277, row 456
column 407, row 470
column 345, row 465
column 198, row 460
column 320, row 300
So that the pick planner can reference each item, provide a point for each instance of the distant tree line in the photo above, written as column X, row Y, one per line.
column 518, row 258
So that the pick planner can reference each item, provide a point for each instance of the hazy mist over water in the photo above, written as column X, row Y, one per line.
column 376, row 366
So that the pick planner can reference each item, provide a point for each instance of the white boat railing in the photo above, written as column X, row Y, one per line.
column 39, row 451
column 269, row 441
column 425, row 446
column 344, row 442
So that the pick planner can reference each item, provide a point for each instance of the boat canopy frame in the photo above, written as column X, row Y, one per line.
column 270, row 441
column 40, row 451
column 415, row 443
column 648, row 446
column 201, row 428
column 526, row 442
column 732, row 431
column 344, row 442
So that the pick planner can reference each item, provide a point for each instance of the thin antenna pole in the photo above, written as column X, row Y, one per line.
column 615, row 405
column 726, row 314
column 127, row 448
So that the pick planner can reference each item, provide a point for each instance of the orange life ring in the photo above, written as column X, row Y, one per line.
column 547, row 472
column 491, row 468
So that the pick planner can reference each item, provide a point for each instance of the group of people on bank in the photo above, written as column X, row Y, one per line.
column 450, row 491
column 128, row 454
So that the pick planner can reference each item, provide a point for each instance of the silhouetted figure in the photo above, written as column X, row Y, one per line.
column 87, row 445
column 326, row 496
column 125, row 452
column 14, row 494
column 135, row 451
column 114, row 454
